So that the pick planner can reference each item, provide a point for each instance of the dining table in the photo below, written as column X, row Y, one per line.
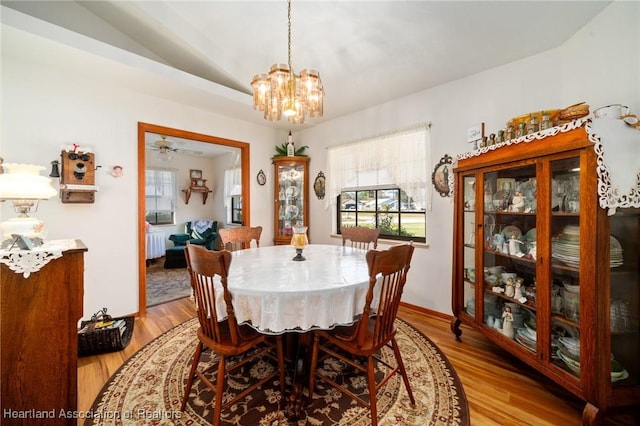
column 276, row 295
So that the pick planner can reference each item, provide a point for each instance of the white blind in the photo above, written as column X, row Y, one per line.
column 399, row 158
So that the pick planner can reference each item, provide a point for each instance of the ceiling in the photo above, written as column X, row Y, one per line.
column 367, row 52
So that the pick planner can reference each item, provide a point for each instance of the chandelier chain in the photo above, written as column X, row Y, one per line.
column 289, row 36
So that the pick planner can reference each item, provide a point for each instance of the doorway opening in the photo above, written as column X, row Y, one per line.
column 143, row 130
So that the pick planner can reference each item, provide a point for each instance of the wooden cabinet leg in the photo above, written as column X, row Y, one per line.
column 591, row 415
column 455, row 328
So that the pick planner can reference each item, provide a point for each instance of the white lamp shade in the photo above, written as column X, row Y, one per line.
column 23, row 182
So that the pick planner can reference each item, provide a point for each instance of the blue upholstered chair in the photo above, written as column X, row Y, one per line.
column 201, row 232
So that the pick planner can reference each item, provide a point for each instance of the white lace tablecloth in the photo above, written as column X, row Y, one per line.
column 275, row 294
column 156, row 245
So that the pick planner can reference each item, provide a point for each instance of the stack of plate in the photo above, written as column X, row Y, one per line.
column 618, row 372
column 615, row 252
column 525, row 340
column 566, row 248
column 526, row 336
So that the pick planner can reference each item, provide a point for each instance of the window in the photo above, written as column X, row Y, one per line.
column 390, row 210
column 160, row 196
column 233, row 194
column 236, row 209
column 382, row 182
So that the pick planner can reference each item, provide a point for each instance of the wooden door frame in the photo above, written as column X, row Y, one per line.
column 143, row 128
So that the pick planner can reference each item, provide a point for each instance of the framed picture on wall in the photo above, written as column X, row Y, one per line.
column 195, row 174
column 440, row 176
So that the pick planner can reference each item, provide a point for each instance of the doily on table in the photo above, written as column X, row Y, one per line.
column 27, row 261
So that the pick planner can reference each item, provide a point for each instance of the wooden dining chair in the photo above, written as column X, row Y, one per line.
column 375, row 329
column 360, row 236
column 240, row 237
column 224, row 338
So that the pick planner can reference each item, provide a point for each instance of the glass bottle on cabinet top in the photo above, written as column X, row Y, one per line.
column 291, row 205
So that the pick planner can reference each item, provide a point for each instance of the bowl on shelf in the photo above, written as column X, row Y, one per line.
column 491, row 279
column 495, row 270
column 571, row 288
column 571, row 345
column 572, row 365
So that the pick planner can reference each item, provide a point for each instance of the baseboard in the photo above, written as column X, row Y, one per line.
column 426, row 311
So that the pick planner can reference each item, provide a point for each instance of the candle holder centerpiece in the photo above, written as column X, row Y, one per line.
column 299, row 241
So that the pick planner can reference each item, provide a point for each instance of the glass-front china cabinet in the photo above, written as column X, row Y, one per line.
column 291, row 198
column 545, row 272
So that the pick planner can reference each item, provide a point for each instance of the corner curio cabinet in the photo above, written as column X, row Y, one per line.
column 546, row 273
column 291, row 197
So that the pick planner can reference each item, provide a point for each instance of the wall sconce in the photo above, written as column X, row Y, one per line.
column 23, row 184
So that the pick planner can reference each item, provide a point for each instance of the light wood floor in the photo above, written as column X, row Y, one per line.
column 500, row 389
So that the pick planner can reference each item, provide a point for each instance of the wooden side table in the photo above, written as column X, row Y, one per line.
column 39, row 347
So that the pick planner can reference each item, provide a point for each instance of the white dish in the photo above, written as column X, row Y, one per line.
column 292, row 211
column 292, row 191
column 619, row 376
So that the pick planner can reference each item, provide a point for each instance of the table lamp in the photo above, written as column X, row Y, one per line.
column 23, row 184
column 299, row 241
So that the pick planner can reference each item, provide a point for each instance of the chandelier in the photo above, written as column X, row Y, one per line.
column 283, row 92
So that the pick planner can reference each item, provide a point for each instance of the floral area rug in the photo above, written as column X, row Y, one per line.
column 165, row 285
column 148, row 389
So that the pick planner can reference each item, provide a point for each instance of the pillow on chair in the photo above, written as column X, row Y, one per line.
column 203, row 232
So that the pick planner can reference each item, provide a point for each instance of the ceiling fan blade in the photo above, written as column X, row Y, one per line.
column 191, row 152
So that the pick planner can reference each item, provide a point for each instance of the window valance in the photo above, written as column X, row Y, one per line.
column 400, row 158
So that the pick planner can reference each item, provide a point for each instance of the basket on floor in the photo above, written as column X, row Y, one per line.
column 102, row 333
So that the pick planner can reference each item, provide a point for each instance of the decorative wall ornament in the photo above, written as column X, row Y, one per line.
column 319, row 185
column 116, row 171
column 441, row 176
column 261, row 178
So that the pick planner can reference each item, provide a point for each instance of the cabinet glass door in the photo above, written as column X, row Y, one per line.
column 624, row 262
column 469, row 245
column 509, row 253
column 565, row 258
column 290, row 198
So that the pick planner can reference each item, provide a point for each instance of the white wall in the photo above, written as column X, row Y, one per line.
column 45, row 107
column 598, row 65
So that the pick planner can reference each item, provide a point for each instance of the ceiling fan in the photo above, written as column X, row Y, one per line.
column 165, row 147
